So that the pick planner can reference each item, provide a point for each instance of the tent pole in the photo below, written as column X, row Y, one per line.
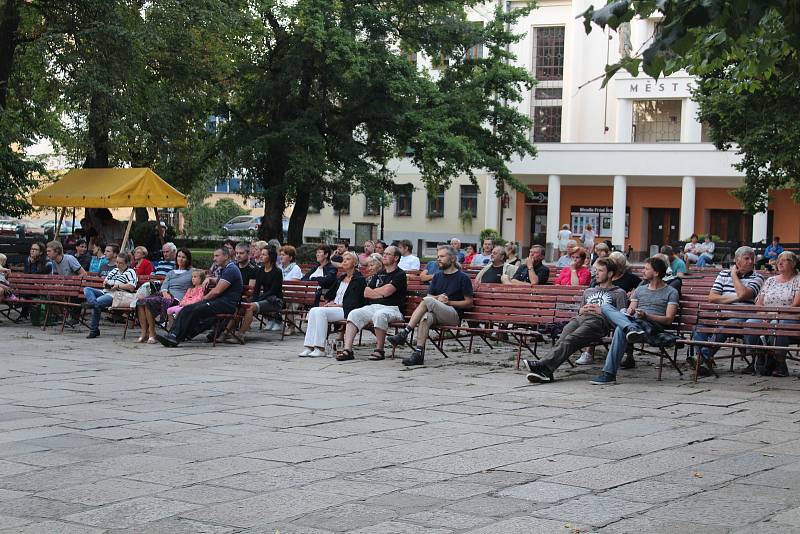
column 124, row 244
column 57, row 228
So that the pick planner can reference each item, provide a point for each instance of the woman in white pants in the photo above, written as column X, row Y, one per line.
column 346, row 294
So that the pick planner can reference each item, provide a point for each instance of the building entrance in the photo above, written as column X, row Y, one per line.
column 539, row 225
column 663, row 227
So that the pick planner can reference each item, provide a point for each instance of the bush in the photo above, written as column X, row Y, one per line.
column 208, row 220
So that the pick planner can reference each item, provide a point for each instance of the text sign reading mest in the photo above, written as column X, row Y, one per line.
column 648, row 88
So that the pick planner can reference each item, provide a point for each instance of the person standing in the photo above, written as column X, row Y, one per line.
column 588, row 238
column 564, row 235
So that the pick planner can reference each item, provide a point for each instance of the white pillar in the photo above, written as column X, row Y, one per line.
column 553, row 209
column 618, row 216
column 759, row 227
column 624, row 126
column 687, row 207
column 490, row 203
column 691, row 129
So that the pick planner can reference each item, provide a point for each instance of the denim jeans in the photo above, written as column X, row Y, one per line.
column 618, row 342
column 709, row 352
column 703, row 259
column 98, row 302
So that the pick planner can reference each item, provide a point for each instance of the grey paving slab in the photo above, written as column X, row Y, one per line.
column 103, row 491
column 131, row 513
column 594, row 510
column 346, row 517
column 52, row 527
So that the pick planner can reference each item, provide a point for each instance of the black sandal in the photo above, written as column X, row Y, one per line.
column 345, row 355
column 378, row 355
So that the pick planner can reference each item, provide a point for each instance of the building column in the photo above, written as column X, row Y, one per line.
column 618, row 215
column 687, row 207
column 624, row 124
column 691, row 129
column 759, row 227
column 490, row 203
column 553, row 212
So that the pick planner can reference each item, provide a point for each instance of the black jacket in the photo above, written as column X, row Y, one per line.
column 353, row 295
column 327, row 279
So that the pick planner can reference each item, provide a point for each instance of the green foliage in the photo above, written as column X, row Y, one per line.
column 494, row 235
column 351, row 101
column 327, row 235
column 745, row 54
column 208, row 220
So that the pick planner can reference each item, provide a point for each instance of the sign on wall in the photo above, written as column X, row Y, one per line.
column 600, row 217
column 646, row 88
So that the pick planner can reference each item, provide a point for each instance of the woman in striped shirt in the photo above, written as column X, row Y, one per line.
column 120, row 278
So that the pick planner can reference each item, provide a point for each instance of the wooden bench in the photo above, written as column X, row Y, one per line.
column 54, row 292
column 731, row 320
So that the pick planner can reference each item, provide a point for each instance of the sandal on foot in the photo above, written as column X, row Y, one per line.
column 345, row 355
column 377, row 355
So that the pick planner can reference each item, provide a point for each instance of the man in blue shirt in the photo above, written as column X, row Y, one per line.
column 224, row 298
column 449, row 294
column 771, row 254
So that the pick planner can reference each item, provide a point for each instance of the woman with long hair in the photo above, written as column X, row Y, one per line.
column 174, row 287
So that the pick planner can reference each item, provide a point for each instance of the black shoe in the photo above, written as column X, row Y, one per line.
column 628, row 363
column 93, row 334
column 635, row 336
column 417, row 358
column 781, row 369
column 769, row 366
column 749, row 370
column 604, row 379
column 529, row 364
column 399, row 338
column 345, row 356
column 168, row 340
column 539, row 374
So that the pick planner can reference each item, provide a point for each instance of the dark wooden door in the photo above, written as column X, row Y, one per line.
column 663, row 226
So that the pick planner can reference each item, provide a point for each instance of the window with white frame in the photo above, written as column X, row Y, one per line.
column 548, row 70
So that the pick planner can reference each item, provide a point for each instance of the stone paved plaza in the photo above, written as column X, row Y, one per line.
column 114, row 436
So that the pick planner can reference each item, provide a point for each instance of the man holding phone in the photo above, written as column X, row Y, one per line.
column 653, row 306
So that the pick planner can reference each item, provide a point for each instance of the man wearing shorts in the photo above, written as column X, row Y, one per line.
column 449, row 295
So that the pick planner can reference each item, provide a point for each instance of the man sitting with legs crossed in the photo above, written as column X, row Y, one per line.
column 449, row 294
column 588, row 327
column 385, row 294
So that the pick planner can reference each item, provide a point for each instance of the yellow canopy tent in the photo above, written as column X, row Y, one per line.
column 110, row 188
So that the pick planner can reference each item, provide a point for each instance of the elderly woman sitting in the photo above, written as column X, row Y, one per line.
column 141, row 264
column 346, row 294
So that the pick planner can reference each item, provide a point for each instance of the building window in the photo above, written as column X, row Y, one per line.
column 599, row 217
column 436, row 205
column 341, row 205
column 475, row 52
column 469, row 200
column 372, row 206
column 315, row 203
column 402, row 200
column 546, row 98
column 657, row 121
column 705, row 133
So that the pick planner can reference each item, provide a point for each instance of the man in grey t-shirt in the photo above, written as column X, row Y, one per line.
column 63, row 264
column 655, row 303
column 587, row 327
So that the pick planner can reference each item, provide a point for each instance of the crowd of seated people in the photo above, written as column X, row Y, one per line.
column 187, row 300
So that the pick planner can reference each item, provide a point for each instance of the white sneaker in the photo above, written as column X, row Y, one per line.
column 585, row 359
column 316, row 353
column 306, row 352
column 275, row 327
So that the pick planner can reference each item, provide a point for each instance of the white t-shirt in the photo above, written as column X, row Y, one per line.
column 409, row 263
column 340, row 292
column 563, row 237
column 293, row 272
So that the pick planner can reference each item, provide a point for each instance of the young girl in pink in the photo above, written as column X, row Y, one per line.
column 193, row 294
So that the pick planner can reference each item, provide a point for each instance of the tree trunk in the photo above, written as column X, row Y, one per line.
column 298, row 218
column 141, row 214
column 99, row 131
column 9, row 24
column 272, row 221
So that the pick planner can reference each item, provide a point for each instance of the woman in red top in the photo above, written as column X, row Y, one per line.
column 576, row 274
column 141, row 264
column 470, row 253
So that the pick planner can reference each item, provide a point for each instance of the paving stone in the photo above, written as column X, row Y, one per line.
column 398, row 527
column 177, row 526
column 542, row 492
column 486, row 505
column 103, row 491
column 13, row 522
column 272, row 479
column 450, row 490
column 192, row 473
column 747, row 463
column 447, row 519
column 130, row 513
column 777, row 478
column 277, row 505
column 650, row 491
column 346, row 517
column 555, row 465
column 36, row 507
column 294, row 454
column 658, row 526
column 531, row 525
column 52, row 527
column 204, row 494
column 699, row 509
column 767, row 528
column 592, row 509
column 352, row 488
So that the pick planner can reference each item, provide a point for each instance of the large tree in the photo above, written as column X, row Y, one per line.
column 330, row 93
column 745, row 55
